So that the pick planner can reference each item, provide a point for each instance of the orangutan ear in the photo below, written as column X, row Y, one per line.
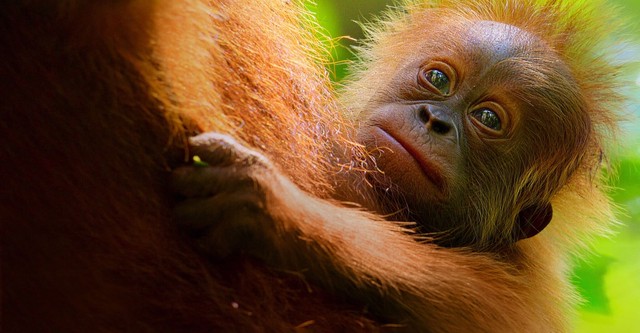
column 531, row 220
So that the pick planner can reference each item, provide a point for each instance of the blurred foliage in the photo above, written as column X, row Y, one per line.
column 609, row 278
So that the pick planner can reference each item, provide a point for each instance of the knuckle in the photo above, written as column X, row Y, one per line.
column 221, row 149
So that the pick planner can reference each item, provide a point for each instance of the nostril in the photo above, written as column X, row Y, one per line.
column 439, row 126
column 436, row 122
column 423, row 114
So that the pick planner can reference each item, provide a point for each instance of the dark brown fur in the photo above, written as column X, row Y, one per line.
column 97, row 99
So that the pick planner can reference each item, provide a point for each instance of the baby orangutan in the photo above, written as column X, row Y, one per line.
column 481, row 118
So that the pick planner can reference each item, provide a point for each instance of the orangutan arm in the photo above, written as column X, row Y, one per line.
column 239, row 202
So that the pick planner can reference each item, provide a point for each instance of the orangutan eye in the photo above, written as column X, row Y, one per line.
column 438, row 80
column 488, row 118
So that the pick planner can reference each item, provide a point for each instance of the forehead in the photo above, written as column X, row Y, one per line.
column 489, row 55
column 482, row 50
column 494, row 40
column 499, row 54
column 486, row 46
column 484, row 54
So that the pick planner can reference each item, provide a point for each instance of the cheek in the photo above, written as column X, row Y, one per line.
column 496, row 181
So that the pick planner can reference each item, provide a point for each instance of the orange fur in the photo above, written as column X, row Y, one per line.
column 97, row 101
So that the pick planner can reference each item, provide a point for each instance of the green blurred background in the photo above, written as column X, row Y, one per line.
column 609, row 277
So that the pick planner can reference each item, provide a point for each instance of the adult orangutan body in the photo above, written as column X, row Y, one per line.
column 97, row 101
column 98, row 98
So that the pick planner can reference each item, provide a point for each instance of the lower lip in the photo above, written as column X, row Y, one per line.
column 430, row 171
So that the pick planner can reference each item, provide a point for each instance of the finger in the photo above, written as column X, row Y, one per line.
column 191, row 181
column 223, row 150
column 215, row 148
column 241, row 233
column 199, row 213
column 211, row 212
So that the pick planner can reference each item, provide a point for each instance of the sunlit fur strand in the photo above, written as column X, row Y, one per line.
column 304, row 60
